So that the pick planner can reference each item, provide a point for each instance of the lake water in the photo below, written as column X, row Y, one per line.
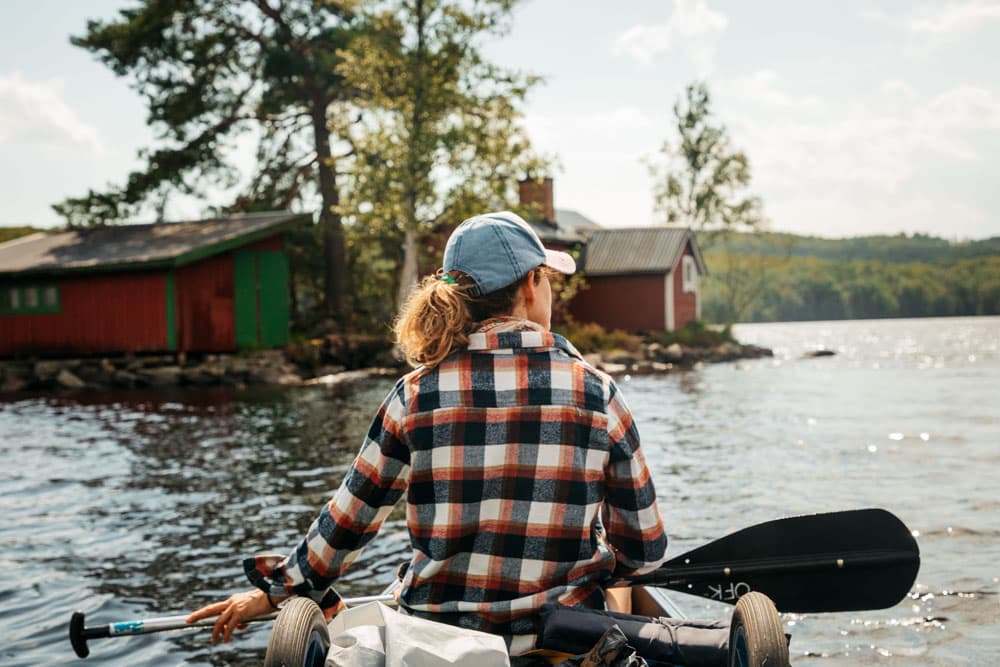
column 142, row 504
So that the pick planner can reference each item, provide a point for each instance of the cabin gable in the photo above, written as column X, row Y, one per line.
column 640, row 279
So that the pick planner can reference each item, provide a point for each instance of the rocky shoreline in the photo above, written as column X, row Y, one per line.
column 653, row 358
column 277, row 367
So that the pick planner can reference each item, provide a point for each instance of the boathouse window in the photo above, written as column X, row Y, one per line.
column 689, row 271
column 30, row 299
column 50, row 297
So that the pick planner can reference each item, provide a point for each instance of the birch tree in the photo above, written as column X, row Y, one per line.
column 439, row 135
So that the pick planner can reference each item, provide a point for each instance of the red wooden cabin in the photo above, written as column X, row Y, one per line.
column 204, row 286
column 640, row 279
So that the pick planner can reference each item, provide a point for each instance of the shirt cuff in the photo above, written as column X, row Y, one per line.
column 267, row 572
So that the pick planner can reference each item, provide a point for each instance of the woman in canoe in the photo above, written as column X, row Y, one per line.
column 520, row 462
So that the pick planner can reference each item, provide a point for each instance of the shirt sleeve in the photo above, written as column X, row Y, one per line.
column 353, row 516
column 632, row 518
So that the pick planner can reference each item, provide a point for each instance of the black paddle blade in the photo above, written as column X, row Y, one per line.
column 841, row 561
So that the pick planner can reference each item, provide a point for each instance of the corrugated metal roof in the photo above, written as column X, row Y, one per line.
column 572, row 220
column 570, row 227
column 637, row 250
column 119, row 246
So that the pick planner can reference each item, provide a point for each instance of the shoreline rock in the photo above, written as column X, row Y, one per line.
column 653, row 358
column 276, row 368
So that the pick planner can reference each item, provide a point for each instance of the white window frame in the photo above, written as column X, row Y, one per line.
column 689, row 274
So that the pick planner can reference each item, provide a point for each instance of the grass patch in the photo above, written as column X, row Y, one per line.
column 695, row 334
column 591, row 337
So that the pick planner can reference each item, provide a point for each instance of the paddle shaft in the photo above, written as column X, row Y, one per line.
column 676, row 578
column 79, row 634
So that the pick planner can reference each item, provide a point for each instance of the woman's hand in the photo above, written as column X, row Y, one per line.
column 234, row 612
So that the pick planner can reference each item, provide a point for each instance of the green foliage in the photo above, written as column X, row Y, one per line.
column 359, row 350
column 305, row 352
column 383, row 115
column 702, row 181
column 900, row 248
column 592, row 337
column 737, row 280
column 813, row 288
column 695, row 334
column 11, row 233
column 307, row 269
column 564, row 288
column 214, row 72
column 435, row 131
column 375, row 259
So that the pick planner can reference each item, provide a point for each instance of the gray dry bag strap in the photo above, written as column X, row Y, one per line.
column 661, row 641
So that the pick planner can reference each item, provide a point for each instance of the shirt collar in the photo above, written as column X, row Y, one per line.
column 509, row 333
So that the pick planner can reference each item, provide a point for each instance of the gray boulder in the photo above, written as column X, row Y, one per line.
column 67, row 380
column 673, row 353
column 163, row 376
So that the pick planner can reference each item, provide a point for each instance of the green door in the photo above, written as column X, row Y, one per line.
column 272, row 273
column 261, row 291
column 245, row 293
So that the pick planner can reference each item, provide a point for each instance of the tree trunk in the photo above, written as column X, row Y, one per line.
column 334, row 250
column 410, row 273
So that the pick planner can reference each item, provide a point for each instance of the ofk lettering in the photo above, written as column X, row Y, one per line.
column 729, row 591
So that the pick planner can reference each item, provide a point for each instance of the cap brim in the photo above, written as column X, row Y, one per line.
column 560, row 261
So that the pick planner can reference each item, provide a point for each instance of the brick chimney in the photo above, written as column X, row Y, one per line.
column 538, row 193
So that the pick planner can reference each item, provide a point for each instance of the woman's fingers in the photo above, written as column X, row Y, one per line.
column 208, row 610
column 219, row 629
column 233, row 613
column 227, row 630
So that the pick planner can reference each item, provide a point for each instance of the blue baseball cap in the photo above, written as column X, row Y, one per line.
column 498, row 249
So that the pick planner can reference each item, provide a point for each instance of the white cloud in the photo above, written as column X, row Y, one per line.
column 952, row 18
column 761, row 87
column 596, row 130
column 877, row 143
column 964, row 107
column 931, row 25
column 34, row 113
column 821, row 165
column 693, row 25
column 896, row 89
column 856, row 168
column 608, row 181
column 838, row 216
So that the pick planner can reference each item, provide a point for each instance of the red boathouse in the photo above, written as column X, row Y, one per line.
column 640, row 279
column 203, row 286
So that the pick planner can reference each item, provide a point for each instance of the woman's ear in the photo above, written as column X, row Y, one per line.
column 529, row 288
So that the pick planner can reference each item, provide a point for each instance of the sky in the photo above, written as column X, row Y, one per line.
column 859, row 117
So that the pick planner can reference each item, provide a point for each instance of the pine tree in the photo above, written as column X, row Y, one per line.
column 212, row 71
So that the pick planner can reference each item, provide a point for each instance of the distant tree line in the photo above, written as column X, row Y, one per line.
column 895, row 249
column 851, row 281
column 11, row 233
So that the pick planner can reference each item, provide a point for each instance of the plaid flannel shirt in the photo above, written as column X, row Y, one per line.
column 524, row 482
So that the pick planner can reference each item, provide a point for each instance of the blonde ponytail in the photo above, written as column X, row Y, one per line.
column 434, row 321
column 441, row 312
